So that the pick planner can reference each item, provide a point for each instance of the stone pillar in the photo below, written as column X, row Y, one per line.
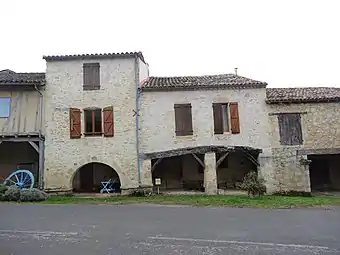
column 266, row 171
column 146, row 174
column 210, row 176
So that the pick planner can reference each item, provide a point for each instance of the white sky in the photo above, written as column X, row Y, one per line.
column 285, row 43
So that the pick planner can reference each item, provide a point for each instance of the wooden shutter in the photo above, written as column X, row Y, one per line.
column 290, row 129
column 217, row 112
column 108, row 121
column 179, row 125
column 75, row 123
column 91, row 76
column 183, row 119
column 187, row 120
column 234, row 118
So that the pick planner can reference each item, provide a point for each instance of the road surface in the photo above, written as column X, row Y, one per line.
column 29, row 229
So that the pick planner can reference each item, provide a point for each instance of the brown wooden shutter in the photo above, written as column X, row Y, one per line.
column 91, row 76
column 187, row 119
column 179, row 119
column 218, row 125
column 290, row 129
column 234, row 118
column 75, row 123
column 108, row 121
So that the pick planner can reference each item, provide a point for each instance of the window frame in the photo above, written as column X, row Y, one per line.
column 93, row 121
column 222, row 118
column 9, row 101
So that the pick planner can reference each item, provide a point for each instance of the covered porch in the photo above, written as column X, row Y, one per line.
column 24, row 152
column 209, row 169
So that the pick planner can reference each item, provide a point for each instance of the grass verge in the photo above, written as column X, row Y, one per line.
column 203, row 200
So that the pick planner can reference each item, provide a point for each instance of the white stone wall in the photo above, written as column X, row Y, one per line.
column 157, row 119
column 64, row 89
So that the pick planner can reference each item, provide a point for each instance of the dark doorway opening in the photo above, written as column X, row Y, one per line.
column 89, row 178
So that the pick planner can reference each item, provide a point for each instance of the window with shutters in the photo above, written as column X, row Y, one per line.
column 226, row 118
column 91, row 76
column 93, row 122
column 290, row 129
column 183, row 119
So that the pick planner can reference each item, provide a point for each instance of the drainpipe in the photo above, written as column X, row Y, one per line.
column 137, row 119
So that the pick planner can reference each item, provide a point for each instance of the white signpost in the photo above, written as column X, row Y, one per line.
column 157, row 183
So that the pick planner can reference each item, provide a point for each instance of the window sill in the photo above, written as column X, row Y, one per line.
column 94, row 87
column 93, row 134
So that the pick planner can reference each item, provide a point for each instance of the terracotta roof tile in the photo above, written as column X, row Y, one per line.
column 200, row 82
column 303, row 95
column 9, row 77
column 95, row 56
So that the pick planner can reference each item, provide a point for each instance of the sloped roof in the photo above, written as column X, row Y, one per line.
column 95, row 56
column 9, row 77
column 225, row 81
column 303, row 95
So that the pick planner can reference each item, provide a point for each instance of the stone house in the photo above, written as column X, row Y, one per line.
column 21, row 124
column 305, row 139
column 102, row 117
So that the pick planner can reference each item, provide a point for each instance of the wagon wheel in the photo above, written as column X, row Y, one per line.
column 21, row 178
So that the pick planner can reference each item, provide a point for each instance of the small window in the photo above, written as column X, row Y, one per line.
column 183, row 119
column 91, row 76
column 226, row 118
column 5, row 106
column 93, row 122
column 290, row 129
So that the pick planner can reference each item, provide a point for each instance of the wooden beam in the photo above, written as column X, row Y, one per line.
column 251, row 158
column 41, row 164
column 34, row 146
column 156, row 163
column 198, row 159
column 220, row 160
column 279, row 113
column 19, row 139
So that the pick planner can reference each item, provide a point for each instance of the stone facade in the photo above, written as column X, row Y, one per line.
column 320, row 123
column 64, row 90
column 157, row 124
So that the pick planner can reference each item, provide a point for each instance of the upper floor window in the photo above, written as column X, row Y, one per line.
column 97, row 122
column 5, row 106
column 91, row 76
column 290, row 129
column 93, row 121
column 226, row 118
column 183, row 119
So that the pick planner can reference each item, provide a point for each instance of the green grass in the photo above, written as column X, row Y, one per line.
column 203, row 200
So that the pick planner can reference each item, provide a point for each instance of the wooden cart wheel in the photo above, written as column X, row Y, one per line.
column 24, row 179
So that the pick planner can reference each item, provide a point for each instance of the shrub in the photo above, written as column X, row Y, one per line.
column 2, row 197
column 32, row 195
column 3, row 189
column 253, row 184
column 12, row 193
column 140, row 193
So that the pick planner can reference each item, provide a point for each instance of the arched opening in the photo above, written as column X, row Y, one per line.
column 94, row 177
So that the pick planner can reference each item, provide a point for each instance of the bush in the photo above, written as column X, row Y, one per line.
column 2, row 197
column 32, row 195
column 3, row 189
column 253, row 184
column 12, row 193
column 140, row 193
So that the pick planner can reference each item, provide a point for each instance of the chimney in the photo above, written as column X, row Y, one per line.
column 236, row 70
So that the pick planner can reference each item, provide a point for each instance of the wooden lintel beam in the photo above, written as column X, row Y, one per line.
column 220, row 160
column 198, row 159
column 252, row 159
column 34, row 146
column 156, row 163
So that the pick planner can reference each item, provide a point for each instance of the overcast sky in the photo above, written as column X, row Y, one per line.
column 285, row 43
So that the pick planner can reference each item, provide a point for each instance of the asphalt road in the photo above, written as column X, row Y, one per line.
column 150, row 229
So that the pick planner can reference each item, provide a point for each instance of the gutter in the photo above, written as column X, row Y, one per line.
column 137, row 119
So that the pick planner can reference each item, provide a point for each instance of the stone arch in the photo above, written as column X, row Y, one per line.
column 88, row 176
